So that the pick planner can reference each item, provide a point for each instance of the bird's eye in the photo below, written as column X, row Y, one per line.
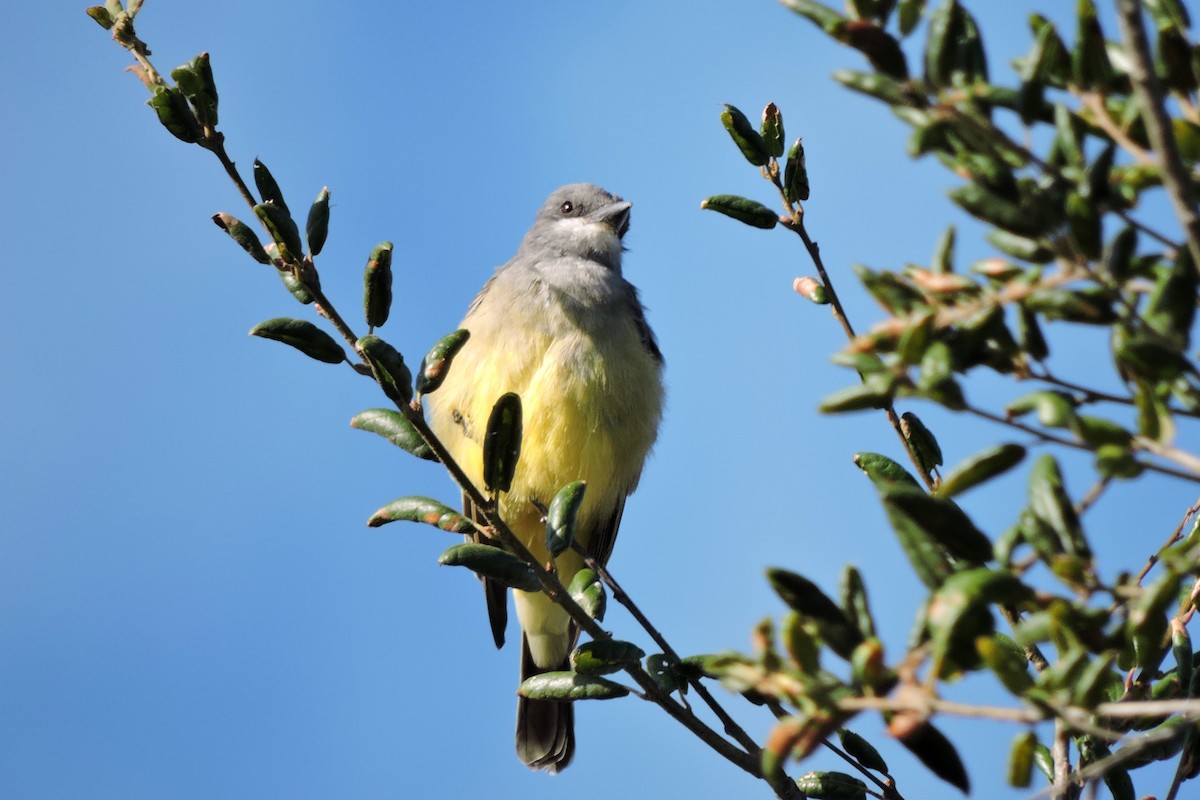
column 566, row 208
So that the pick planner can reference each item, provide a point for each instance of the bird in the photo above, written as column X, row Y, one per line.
column 560, row 326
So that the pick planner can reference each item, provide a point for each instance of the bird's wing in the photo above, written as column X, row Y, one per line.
column 604, row 534
column 638, row 312
column 494, row 592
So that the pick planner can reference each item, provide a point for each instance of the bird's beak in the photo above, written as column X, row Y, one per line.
column 614, row 215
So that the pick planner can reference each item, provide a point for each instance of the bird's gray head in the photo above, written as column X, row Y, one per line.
column 580, row 220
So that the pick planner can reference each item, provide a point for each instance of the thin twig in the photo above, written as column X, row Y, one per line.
column 1175, row 536
column 1155, row 449
column 796, row 223
column 1149, row 95
column 620, row 595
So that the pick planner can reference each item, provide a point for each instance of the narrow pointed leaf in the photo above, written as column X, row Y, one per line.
column 435, row 366
column 941, row 521
column 570, row 686
column 751, row 212
column 588, row 592
column 377, row 285
column 316, row 229
column 388, row 368
column 421, row 509
column 267, row 187
column 806, row 598
column 831, row 786
column 863, row 751
column 604, row 656
column 981, row 467
column 283, row 230
column 391, row 425
column 936, row 752
column 748, row 140
column 795, row 174
column 1020, row 759
column 502, row 443
column 771, row 130
column 883, row 470
column 560, row 518
column 302, row 335
column 243, row 235
column 488, row 561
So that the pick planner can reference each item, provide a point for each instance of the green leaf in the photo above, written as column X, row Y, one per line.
column 570, row 686
column 1020, row 759
column 1019, row 247
column 377, row 285
column 880, row 47
column 492, row 562
column 795, row 174
column 290, row 281
column 895, row 293
column 939, row 520
column 818, row 13
column 831, row 786
column 175, row 114
column 243, row 235
column 745, row 136
column 1090, row 67
column 1118, row 256
column 316, row 230
column 1044, row 760
column 1049, row 502
column 805, row 598
column 560, row 519
column 502, row 443
column 872, row 84
column 269, row 189
column 853, row 596
column 862, row 751
column 302, row 335
column 742, row 209
column 800, row 645
column 388, row 368
column 936, row 752
column 604, row 656
column 771, row 130
column 588, row 593
column 924, row 446
column 1172, row 307
column 909, row 15
column 391, row 425
column 666, row 675
column 884, row 471
column 1022, row 217
column 981, row 467
column 195, row 88
column 1054, row 409
column 283, row 230
column 1029, row 334
column 421, row 509
column 1007, row 660
column 943, row 254
column 1084, row 221
column 855, row 398
column 101, row 15
column 435, row 366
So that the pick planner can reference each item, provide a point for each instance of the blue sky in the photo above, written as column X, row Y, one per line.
column 190, row 602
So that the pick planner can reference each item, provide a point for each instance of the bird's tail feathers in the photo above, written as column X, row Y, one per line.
column 545, row 728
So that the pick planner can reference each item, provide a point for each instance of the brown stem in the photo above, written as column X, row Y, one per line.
column 796, row 224
column 619, row 594
column 1158, row 124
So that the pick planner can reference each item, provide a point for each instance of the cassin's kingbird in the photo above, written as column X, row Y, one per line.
column 561, row 327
